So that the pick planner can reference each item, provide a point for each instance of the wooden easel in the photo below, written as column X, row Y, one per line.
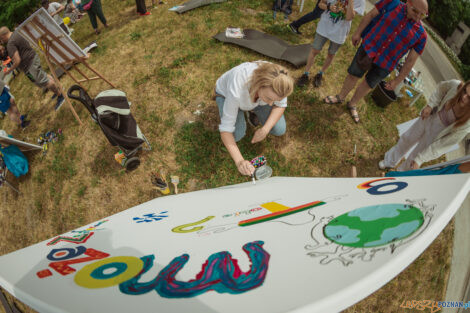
column 47, row 42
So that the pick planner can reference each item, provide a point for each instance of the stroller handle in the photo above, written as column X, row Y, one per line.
column 84, row 98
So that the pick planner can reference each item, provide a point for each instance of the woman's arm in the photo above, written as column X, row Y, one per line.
column 243, row 166
column 350, row 11
column 273, row 118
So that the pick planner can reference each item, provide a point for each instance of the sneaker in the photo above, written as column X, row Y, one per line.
column 317, row 80
column 60, row 101
column 253, row 119
column 302, row 81
column 24, row 124
column 294, row 29
column 53, row 96
column 144, row 14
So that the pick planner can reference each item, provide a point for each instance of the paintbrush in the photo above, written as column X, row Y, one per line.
column 175, row 180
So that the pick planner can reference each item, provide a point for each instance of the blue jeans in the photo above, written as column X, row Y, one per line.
column 262, row 111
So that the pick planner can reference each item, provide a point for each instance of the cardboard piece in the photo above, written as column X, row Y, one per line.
column 270, row 46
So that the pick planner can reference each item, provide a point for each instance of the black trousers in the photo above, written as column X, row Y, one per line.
column 315, row 14
column 141, row 8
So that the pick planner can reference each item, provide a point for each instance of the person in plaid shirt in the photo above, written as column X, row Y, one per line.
column 395, row 30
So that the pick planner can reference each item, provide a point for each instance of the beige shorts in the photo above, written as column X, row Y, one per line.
column 36, row 74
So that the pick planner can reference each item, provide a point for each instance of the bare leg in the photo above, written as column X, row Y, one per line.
column 311, row 59
column 326, row 65
column 13, row 112
column 360, row 92
column 349, row 83
column 52, row 86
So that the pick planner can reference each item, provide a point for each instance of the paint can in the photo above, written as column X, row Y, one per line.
column 263, row 172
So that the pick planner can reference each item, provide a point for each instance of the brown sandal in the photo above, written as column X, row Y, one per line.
column 353, row 111
column 333, row 100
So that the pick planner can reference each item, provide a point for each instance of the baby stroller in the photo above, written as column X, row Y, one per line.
column 111, row 111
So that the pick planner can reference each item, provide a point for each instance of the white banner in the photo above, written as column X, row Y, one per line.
column 282, row 245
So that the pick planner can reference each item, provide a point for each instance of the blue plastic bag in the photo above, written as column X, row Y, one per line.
column 15, row 160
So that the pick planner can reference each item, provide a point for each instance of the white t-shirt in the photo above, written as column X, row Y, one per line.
column 333, row 25
column 233, row 85
column 54, row 6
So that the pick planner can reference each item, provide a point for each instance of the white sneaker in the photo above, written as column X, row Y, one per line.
column 382, row 165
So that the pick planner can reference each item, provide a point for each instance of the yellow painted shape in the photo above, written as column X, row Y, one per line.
column 181, row 229
column 274, row 207
column 133, row 267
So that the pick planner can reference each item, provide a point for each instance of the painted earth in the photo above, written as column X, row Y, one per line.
column 375, row 225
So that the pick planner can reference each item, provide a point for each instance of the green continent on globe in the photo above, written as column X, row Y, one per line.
column 375, row 225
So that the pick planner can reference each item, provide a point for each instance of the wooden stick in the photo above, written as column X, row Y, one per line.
column 96, row 72
column 88, row 79
column 61, row 88
column 78, row 70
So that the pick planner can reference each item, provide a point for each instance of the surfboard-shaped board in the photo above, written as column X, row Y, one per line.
column 24, row 146
column 282, row 245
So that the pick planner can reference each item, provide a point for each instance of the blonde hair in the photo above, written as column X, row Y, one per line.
column 460, row 120
column 273, row 76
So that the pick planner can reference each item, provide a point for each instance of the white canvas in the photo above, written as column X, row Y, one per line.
column 24, row 146
column 64, row 50
column 289, row 266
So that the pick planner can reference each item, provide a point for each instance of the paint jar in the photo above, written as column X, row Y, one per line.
column 263, row 172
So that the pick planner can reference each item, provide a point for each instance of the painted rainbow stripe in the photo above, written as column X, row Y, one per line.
column 81, row 239
column 367, row 185
column 279, row 214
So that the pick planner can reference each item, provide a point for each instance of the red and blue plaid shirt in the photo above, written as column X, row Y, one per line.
column 393, row 36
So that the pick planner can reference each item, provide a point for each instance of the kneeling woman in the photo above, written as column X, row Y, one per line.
column 260, row 87
column 444, row 122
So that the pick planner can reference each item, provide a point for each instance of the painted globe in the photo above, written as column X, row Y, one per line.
column 375, row 225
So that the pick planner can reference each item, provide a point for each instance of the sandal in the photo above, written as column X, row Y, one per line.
column 333, row 100
column 353, row 111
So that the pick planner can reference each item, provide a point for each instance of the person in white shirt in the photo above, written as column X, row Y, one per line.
column 54, row 8
column 260, row 88
column 334, row 25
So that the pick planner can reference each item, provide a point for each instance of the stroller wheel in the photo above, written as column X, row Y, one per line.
column 132, row 163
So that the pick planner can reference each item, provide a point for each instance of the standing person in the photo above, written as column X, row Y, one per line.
column 95, row 9
column 26, row 59
column 141, row 8
column 54, row 8
column 259, row 86
column 309, row 17
column 334, row 25
column 72, row 12
column 8, row 106
column 444, row 122
column 397, row 31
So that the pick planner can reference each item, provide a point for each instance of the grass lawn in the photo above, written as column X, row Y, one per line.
column 168, row 64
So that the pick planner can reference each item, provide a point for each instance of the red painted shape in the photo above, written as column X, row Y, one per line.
column 62, row 267
column 44, row 273
column 60, row 253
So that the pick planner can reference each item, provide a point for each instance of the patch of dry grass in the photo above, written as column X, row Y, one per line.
column 168, row 64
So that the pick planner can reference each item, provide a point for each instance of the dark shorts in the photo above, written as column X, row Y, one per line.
column 374, row 75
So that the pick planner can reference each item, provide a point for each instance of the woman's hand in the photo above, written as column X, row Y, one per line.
column 259, row 135
column 245, row 167
column 426, row 112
